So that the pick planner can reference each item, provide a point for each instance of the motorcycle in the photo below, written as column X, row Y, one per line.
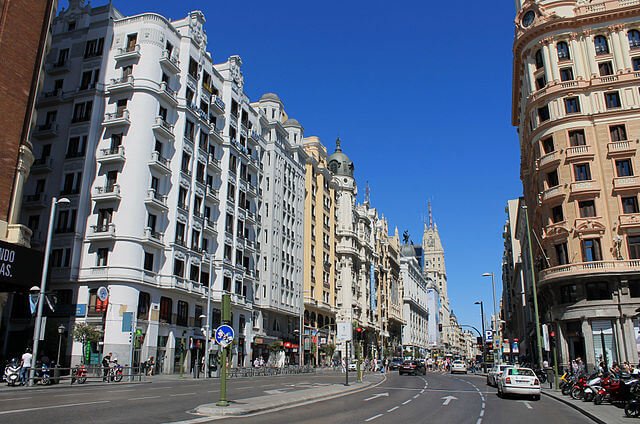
column 615, row 390
column 12, row 373
column 541, row 374
column 42, row 374
column 115, row 372
column 79, row 374
column 592, row 387
column 578, row 390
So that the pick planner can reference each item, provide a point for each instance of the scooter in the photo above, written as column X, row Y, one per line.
column 79, row 374
column 42, row 374
column 12, row 373
column 592, row 387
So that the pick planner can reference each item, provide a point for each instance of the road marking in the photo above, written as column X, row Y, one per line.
column 68, row 405
column 393, row 409
column 406, row 401
column 5, row 400
column 373, row 418
column 183, row 394
column 119, row 391
column 145, row 397
column 479, row 421
column 482, row 412
column 161, row 388
column 416, row 396
column 526, row 403
column 483, row 405
column 448, row 399
column 421, row 391
column 376, row 396
column 71, row 394
column 274, row 392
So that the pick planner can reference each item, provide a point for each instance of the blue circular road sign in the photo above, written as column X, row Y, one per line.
column 224, row 335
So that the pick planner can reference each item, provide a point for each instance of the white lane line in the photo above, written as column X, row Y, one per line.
column 406, row 401
column 482, row 413
column 416, row 396
column 145, row 397
column 68, row 405
column 393, row 409
column 161, row 388
column 483, row 405
column 479, row 421
column 183, row 394
column 5, row 400
column 119, row 391
column 422, row 391
column 373, row 418
column 71, row 394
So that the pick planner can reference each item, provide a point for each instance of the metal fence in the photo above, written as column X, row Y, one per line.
column 268, row 371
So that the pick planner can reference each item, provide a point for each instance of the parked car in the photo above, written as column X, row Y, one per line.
column 494, row 374
column 395, row 364
column 519, row 381
column 352, row 366
column 458, row 366
column 412, row 367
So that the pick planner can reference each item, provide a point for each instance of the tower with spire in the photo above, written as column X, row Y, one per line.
column 436, row 272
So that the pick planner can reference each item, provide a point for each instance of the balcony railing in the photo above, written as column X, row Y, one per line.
column 585, row 186
column 160, row 163
column 596, row 267
column 128, row 52
column 163, row 128
column 632, row 181
column 107, row 192
column 576, row 152
column 553, row 192
column 120, row 117
column 111, row 154
column 49, row 129
column 621, row 147
column 170, row 62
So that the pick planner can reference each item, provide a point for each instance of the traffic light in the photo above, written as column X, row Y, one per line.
column 440, row 328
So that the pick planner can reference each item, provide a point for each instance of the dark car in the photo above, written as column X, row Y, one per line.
column 412, row 367
column 395, row 364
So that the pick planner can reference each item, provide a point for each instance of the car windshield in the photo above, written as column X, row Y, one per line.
column 521, row 371
column 409, row 363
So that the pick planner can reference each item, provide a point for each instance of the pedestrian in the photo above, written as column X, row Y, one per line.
column 25, row 366
column 343, row 365
column 261, row 362
column 150, row 364
column 106, row 363
column 256, row 362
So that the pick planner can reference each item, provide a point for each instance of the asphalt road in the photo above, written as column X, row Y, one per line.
column 434, row 398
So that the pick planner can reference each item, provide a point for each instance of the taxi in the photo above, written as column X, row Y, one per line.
column 519, row 381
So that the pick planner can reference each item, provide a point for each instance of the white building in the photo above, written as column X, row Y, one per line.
column 433, row 322
column 415, row 313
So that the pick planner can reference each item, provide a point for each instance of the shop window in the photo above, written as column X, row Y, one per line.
column 598, row 291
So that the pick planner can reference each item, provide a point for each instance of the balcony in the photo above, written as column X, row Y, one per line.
column 254, row 136
column 116, row 119
column 42, row 165
column 111, row 155
column 48, row 130
column 154, row 238
column 582, row 187
column 626, row 183
column 168, row 94
column 170, row 62
column 50, row 97
column 159, row 163
column 102, row 232
column 552, row 193
column 110, row 192
column 579, row 152
column 120, row 85
column 156, row 200
column 210, row 226
column 631, row 220
column 590, row 268
column 130, row 52
column 621, row 147
column 251, row 216
column 214, row 163
column 252, row 190
column 217, row 105
column 213, row 194
column 58, row 67
column 163, row 129
column 33, row 201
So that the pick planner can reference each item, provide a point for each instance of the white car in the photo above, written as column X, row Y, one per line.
column 458, row 366
column 352, row 366
column 519, row 381
column 495, row 373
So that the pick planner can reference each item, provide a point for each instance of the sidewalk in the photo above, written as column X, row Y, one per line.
column 287, row 400
column 602, row 414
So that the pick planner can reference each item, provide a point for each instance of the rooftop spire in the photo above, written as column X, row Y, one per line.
column 338, row 149
column 367, row 194
column 430, row 214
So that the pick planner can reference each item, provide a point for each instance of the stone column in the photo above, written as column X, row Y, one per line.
column 630, row 339
column 617, row 50
column 25, row 160
column 624, row 47
column 590, row 53
column 552, row 54
column 562, row 346
column 590, row 357
column 579, row 67
column 547, row 60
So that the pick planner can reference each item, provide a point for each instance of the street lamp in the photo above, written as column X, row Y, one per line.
column 61, row 330
column 484, row 343
column 495, row 315
column 43, row 281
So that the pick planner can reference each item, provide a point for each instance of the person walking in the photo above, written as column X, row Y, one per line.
column 106, row 364
column 150, row 365
column 25, row 366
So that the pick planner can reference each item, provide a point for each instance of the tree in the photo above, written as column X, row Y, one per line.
column 85, row 333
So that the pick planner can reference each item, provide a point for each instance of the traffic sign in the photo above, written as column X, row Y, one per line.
column 102, row 293
column 224, row 335
column 488, row 336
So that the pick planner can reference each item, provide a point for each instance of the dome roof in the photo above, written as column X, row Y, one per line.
column 407, row 250
column 271, row 96
column 292, row 123
column 339, row 163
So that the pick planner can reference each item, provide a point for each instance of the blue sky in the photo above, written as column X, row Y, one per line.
column 419, row 93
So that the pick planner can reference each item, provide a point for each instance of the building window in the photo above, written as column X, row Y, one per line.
column 591, row 250
column 538, row 59
column 598, row 291
column 601, row 44
column 226, row 284
column 612, row 100
column 166, row 308
column 633, row 242
column 635, row 61
column 634, row 39
column 634, row 288
column 569, row 293
column 186, row 162
column 541, row 81
column 178, row 268
column 618, row 133
column 552, row 178
column 182, row 316
column 556, row 214
column 577, row 138
column 582, row 172
column 630, row 205
column 193, row 68
column 547, row 145
column 587, row 208
column 572, row 105
column 605, row 68
column 543, row 113
column 180, row 233
column 144, row 303
column 182, row 198
column 189, row 130
column 93, row 48
column 563, row 51
column 148, row 261
column 82, row 112
column 566, row 74
column 623, row 168
column 562, row 253
column 102, row 255
column 197, row 320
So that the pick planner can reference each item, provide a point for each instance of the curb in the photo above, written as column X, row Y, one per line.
column 576, row 407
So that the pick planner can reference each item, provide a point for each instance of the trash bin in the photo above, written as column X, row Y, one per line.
column 56, row 374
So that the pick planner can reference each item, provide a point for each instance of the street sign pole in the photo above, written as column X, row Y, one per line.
column 226, row 317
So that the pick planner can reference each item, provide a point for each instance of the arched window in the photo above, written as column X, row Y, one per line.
column 563, row 51
column 634, row 38
column 539, row 60
column 601, row 44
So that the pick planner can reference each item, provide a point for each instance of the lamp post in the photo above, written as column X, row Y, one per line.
column 43, row 281
column 484, row 343
column 534, row 288
column 496, row 358
column 61, row 330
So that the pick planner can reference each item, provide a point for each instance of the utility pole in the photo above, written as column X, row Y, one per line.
column 226, row 318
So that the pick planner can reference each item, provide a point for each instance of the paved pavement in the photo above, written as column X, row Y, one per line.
column 602, row 414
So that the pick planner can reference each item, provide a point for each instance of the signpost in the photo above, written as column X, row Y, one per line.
column 224, row 337
column 344, row 331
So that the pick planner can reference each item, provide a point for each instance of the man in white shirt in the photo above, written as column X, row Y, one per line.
column 27, row 357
